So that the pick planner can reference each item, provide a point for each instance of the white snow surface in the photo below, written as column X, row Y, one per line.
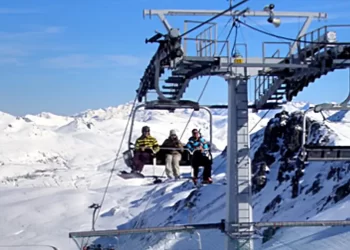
column 53, row 167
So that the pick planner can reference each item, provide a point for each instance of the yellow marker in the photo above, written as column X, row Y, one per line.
column 238, row 60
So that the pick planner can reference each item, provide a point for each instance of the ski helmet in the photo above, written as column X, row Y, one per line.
column 145, row 129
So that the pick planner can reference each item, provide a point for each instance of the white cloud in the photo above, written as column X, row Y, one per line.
column 53, row 30
column 8, row 50
column 7, row 11
column 31, row 34
column 14, row 46
column 125, row 60
column 74, row 61
column 11, row 55
column 83, row 61
column 9, row 60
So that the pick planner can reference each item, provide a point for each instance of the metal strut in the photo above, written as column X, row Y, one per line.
column 209, row 226
column 116, row 232
column 95, row 206
column 169, row 49
column 321, row 223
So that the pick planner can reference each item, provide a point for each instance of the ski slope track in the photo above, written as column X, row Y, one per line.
column 53, row 167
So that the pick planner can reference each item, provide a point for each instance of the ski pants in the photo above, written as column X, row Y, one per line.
column 139, row 160
column 172, row 165
column 199, row 160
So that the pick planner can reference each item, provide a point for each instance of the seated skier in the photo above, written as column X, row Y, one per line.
column 199, row 158
column 172, row 157
column 145, row 147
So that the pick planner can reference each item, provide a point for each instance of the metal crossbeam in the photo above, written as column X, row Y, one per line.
column 250, row 13
column 116, row 232
column 327, row 153
column 172, row 105
column 322, row 223
column 209, row 226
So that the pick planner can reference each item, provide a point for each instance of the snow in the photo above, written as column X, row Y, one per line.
column 53, row 167
column 336, row 238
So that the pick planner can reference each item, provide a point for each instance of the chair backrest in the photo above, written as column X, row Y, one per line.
column 186, row 157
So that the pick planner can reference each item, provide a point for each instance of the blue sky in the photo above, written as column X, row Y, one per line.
column 68, row 56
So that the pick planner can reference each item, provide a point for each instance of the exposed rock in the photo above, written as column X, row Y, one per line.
column 89, row 125
column 342, row 192
column 269, row 233
column 284, row 133
column 273, row 203
column 315, row 188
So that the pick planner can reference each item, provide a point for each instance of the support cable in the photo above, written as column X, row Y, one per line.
column 214, row 17
column 262, row 28
column 288, row 38
column 115, row 162
column 209, row 77
column 256, row 124
column 233, row 50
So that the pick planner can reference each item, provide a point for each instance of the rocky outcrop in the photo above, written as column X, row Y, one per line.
column 282, row 142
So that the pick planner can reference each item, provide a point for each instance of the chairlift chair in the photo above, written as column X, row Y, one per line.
column 311, row 152
column 158, row 159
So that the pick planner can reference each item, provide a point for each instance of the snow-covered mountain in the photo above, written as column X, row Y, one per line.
column 53, row 167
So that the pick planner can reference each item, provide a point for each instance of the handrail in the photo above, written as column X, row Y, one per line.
column 191, row 152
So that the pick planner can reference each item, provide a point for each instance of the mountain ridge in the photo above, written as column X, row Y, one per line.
column 62, row 164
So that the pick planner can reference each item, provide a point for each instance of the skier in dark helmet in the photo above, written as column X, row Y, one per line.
column 200, row 158
column 143, row 151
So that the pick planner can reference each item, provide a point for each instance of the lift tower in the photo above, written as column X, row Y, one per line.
column 276, row 78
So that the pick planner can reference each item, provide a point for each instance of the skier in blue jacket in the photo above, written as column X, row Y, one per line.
column 200, row 158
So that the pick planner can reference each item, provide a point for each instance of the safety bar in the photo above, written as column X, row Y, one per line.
column 303, row 139
column 327, row 153
column 320, row 148
column 163, row 106
column 178, row 149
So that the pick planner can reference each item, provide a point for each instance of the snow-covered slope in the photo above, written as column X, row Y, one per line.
column 53, row 167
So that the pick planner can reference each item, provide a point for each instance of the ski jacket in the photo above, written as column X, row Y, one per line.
column 172, row 143
column 193, row 143
column 147, row 141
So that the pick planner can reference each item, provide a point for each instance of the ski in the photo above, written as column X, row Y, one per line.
column 126, row 175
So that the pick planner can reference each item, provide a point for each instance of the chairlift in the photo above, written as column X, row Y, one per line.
column 158, row 158
column 311, row 152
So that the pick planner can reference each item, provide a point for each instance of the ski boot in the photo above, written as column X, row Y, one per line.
column 207, row 181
